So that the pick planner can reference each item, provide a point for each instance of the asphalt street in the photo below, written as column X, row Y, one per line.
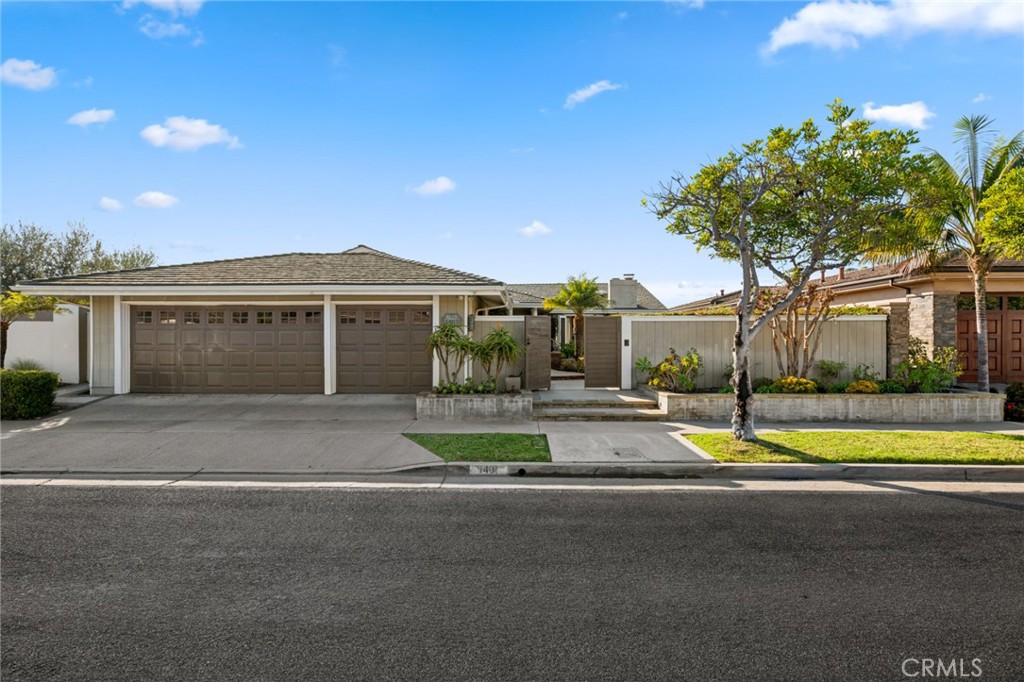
column 243, row 584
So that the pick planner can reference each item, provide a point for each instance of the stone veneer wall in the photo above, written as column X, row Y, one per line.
column 516, row 407
column 897, row 335
column 933, row 319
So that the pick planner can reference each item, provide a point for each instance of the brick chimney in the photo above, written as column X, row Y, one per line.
column 622, row 292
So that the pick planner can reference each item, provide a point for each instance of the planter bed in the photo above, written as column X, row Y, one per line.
column 895, row 408
column 505, row 407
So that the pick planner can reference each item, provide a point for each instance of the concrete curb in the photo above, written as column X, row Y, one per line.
column 821, row 472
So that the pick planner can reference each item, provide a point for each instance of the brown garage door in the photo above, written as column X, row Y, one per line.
column 382, row 349
column 230, row 349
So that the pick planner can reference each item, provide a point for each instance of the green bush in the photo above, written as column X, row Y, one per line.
column 25, row 364
column 727, row 389
column 890, row 386
column 922, row 374
column 677, row 373
column 794, row 385
column 568, row 350
column 864, row 372
column 839, row 387
column 1014, row 410
column 757, row 384
column 828, row 372
column 770, row 387
column 572, row 365
column 863, row 386
column 27, row 394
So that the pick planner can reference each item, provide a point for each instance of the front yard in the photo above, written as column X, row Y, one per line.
column 485, row 447
column 867, row 447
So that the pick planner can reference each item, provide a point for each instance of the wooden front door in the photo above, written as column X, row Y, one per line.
column 538, row 353
column 602, row 355
column 1005, row 339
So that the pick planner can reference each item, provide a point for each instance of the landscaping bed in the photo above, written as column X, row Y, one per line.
column 867, row 447
column 485, row 447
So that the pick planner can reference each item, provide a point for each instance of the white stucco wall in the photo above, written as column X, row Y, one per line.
column 54, row 344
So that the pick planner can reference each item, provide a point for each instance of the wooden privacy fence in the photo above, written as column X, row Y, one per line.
column 855, row 340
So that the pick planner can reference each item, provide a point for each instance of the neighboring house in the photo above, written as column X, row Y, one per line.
column 58, row 341
column 349, row 322
column 936, row 306
column 625, row 295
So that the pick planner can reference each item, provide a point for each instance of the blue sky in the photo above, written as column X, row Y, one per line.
column 514, row 140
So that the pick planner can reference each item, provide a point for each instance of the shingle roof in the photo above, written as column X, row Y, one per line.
column 533, row 295
column 360, row 265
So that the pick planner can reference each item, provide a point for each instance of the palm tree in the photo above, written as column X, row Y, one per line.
column 578, row 295
column 952, row 220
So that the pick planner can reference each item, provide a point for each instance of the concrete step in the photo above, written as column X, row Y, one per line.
column 596, row 402
column 598, row 414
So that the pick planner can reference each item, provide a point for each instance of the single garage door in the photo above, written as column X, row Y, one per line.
column 382, row 349
column 227, row 349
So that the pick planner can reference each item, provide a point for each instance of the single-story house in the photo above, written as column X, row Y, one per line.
column 936, row 306
column 625, row 295
column 349, row 322
column 58, row 341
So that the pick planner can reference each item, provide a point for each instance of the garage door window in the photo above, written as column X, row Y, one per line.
column 240, row 317
column 264, row 317
column 289, row 317
column 167, row 317
column 396, row 317
column 312, row 317
column 143, row 317
column 371, row 317
column 346, row 317
column 215, row 317
column 420, row 317
column 191, row 317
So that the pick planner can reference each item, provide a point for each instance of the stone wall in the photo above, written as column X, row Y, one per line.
column 897, row 335
column 918, row 408
column 477, row 407
column 932, row 319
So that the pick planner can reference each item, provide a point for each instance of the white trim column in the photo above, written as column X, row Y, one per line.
column 122, row 349
column 467, row 365
column 626, row 353
column 330, row 347
column 435, row 320
column 90, row 344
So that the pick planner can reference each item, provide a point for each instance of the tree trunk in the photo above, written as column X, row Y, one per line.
column 743, row 413
column 3, row 343
column 981, row 324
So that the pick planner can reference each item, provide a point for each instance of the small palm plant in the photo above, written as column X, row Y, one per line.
column 579, row 294
column 451, row 346
column 497, row 350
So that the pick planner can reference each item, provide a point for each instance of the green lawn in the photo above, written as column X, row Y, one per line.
column 485, row 447
column 868, row 447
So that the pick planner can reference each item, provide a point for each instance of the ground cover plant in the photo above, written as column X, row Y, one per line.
column 485, row 447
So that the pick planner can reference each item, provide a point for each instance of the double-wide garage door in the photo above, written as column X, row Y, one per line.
column 279, row 349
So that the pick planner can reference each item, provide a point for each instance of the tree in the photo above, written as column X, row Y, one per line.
column 578, row 294
column 954, row 216
column 1003, row 214
column 32, row 252
column 796, row 331
column 794, row 203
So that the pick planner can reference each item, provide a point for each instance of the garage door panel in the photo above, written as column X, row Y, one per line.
column 383, row 349
column 233, row 349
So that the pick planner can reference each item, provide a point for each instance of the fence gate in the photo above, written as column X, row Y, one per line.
column 601, row 345
column 538, row 352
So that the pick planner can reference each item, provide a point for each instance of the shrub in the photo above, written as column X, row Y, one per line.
column 465, row 388
column 828, row 372
column 794, row 385
column 921, row 374
column 677, row 373
column 862, row 386
column 568, row 350
column 572, row 365
column 864, row 372
column 891, row 386
column 770, row 387
column 24, row 365
column 760, row 383
column 1014, row 410
column 27, row 394
column 839, row 387
column 727, row 389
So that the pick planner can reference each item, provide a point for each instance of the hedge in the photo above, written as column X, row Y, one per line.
column 27, row 394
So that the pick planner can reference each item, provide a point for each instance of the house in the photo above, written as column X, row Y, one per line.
column 349, row 322
column 58, row 341
column 936, row 306
column 625, row 295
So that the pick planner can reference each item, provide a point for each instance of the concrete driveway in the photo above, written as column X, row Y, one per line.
column 243, row 433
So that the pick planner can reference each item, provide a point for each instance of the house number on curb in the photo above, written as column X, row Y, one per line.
column 488, row 470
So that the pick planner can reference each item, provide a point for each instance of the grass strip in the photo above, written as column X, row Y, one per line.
column 485, row 447
column 867, row 447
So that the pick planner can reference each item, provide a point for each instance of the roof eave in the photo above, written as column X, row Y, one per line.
column 57, row 289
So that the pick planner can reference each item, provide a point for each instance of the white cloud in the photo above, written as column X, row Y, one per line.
column 155, row 199
column 583, row 94
column 25, row 73
column 839, row 24
column 84, row 83
column 911, row 115
column 157, row 29
column 91, row 116
column 183, row 133
column 981, row 97
column 533, row 229
column 439, row 185
column 108, row 204
column 622, row 16
column 175, row 8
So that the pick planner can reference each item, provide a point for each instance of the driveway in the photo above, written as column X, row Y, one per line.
column 243, row 433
